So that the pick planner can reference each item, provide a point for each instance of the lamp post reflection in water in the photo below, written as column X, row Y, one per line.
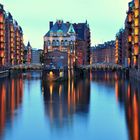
column 64, row 99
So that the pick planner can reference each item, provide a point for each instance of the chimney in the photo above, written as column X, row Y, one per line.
column 51, row 24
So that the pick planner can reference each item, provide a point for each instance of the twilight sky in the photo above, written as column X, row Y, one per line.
column 105, row 17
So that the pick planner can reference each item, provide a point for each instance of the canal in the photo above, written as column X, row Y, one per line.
column 101, row 106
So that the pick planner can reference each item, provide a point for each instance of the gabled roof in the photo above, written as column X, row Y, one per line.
column 59, row 27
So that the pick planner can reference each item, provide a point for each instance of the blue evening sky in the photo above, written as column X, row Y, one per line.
column 105, row 17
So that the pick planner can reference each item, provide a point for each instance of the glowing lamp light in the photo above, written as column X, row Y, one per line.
column 51, row 74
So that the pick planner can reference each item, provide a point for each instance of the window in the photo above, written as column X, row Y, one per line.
column 66, row 43
column 1, row 18
column 62, row 43
column 49, row 43
column 57, row 43
column 53, row 43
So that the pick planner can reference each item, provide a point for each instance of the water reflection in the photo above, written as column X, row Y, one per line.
column 63, row 100
column 127, row 93
column 106, row 103
column 11, row 93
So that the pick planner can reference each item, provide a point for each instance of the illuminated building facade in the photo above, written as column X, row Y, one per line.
column 133, row 34
column 104, row 53
column 19, row 46
column 11, row 40
column 83, row 43
column 59, row 46
column 2, row 36
column 120, row 48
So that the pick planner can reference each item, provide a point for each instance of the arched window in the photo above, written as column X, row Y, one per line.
column 53, row 43
column 62, row 43
column 57, row 43
column 66, row 43
column 49, row 43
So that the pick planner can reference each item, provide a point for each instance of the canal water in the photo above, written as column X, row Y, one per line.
column 100, row 106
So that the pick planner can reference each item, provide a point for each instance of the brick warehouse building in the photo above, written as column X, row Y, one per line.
column 130, row 37
column 104, row 53
column 59, row 45
column 83, row 43
column 120, row 48
column 67, row 44
column 11, row 40
column 28, row 53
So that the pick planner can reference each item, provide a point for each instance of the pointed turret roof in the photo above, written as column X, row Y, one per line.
column 71, row 29
column 29, row 45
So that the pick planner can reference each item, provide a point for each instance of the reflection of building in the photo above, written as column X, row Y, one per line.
column 128, row 94
column 11, row 93
column 11, row 40
column 104, row 53
column 59, row 45
column 27, row 53
column 127, row 97
column 62, row 100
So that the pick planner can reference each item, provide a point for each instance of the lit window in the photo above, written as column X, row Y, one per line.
column 129, row 38
column 136, row 3
column 136, row 50
column 136, row 39
column 136, row 22
column 129, row 17
column 1, row 18
column 136, row 13
column 136, row 31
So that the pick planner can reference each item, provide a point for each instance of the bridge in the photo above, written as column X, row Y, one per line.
column 95, row 66
column 102, row 66
column 27, row 67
